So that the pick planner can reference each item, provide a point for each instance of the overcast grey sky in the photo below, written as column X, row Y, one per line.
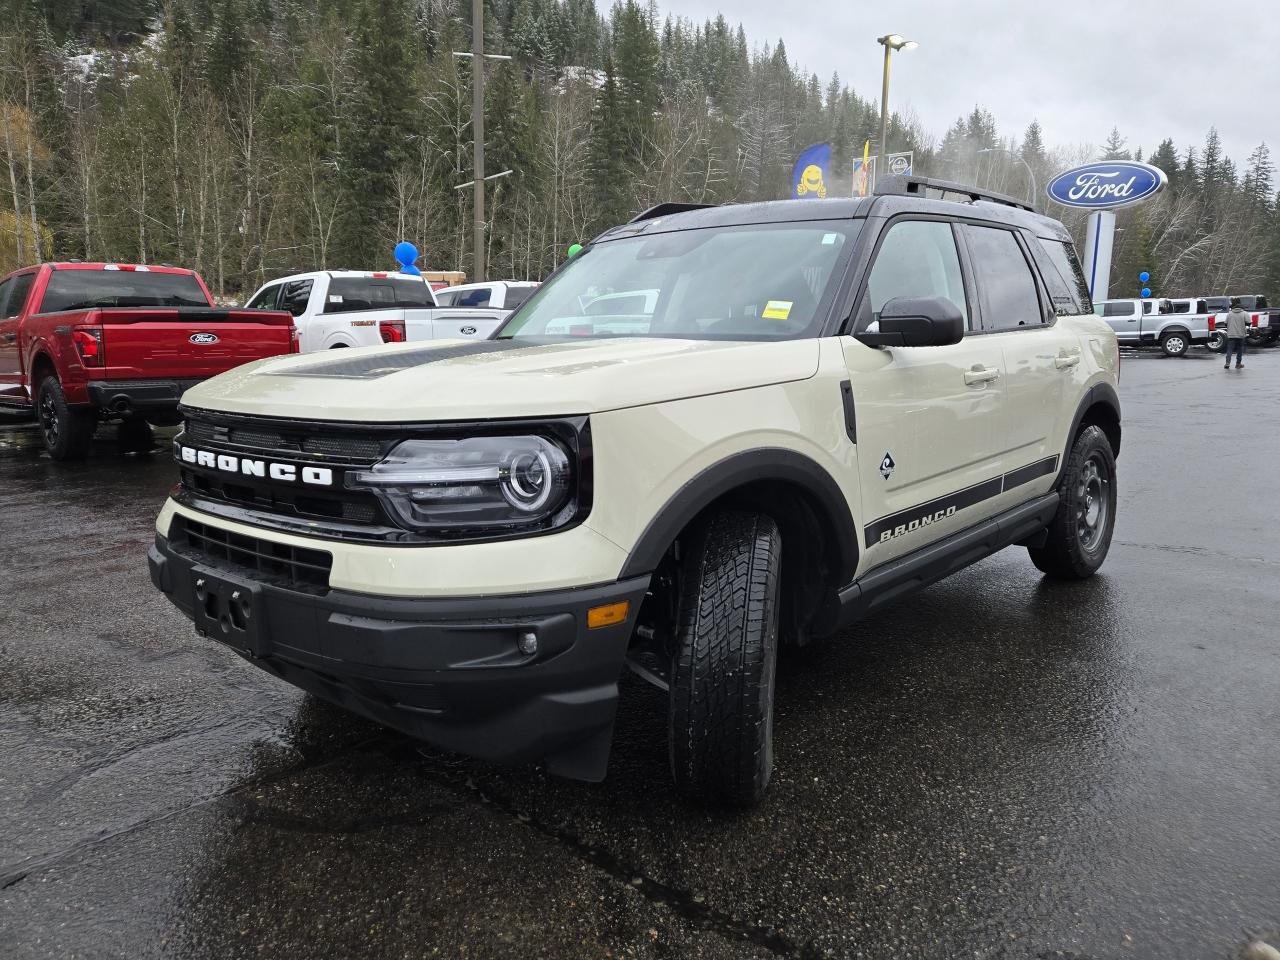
column 1152, row 69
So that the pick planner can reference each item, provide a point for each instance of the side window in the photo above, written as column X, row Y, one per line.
column 4, row 297
column 1146, row 307
column 1065, row 277
column 917, row 258
column 17, row 294
column 474, row 298
column 265, row 298
column 1007, row 288
column 444, row 298
column 295, row 296
column 1119, row 309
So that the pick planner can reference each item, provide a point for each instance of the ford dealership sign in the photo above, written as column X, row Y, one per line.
column 1106, row 185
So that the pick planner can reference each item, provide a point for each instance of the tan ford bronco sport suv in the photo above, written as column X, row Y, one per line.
column 807, row 409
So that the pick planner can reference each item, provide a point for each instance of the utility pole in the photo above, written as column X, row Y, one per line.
column 477, row 131
column 478, row 57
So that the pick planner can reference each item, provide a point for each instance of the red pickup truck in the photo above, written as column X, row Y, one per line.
column 86, row 342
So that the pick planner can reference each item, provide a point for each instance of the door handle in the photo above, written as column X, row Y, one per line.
column 1066, row 361
column 980, row 374
column 10, row 337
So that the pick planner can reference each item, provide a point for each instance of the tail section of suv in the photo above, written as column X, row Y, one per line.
column 827, row 406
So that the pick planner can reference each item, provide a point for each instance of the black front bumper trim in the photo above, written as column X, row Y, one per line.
column 447, row 671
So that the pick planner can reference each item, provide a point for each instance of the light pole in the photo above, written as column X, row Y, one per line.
column 891, row 43
column 1031, row 174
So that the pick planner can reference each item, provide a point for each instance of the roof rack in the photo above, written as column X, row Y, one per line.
column 667, row 209
column 916, row 186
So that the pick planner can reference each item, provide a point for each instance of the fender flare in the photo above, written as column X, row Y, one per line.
column 736, row 471
column 1100, row 394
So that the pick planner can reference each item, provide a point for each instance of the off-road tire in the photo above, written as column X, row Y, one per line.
column 134, row 435
column 66, row 431
column 720, row 721
column 1175, row 344
column 1075, row 548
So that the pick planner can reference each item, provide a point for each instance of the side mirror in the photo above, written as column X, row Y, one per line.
column 916, row 322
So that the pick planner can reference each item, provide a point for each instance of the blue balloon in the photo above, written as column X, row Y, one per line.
column 1146, row 291
column 1143, row 277
column 406, row 253
column 410, row 270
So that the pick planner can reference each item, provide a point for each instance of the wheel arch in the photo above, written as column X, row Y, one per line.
column 1099, row 408
column 41, row 366
column 803, row 499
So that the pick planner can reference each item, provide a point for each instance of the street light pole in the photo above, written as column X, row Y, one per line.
column 890, row 42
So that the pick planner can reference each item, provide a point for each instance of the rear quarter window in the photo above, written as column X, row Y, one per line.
column 1063, row 276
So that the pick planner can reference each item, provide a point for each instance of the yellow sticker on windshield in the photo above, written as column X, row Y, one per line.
column 777, row 310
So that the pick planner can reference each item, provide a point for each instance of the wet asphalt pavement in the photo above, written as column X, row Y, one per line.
column 997, row 767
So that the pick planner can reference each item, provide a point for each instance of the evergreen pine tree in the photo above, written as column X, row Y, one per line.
column 1114, row 148
column 608, row 148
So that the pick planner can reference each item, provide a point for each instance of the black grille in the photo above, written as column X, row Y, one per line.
column 262, row 495
column 264, row 440
column 294, row 568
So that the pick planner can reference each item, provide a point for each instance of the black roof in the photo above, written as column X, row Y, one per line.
column 997, row 209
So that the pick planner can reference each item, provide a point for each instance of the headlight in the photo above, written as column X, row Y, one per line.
column 473, row 483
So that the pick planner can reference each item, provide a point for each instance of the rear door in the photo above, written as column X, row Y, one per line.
column 1122, row 316
column 929, row 420
column 13, row 297
column 1041, row 358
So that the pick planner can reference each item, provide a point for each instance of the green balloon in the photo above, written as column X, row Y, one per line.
column 575, row 249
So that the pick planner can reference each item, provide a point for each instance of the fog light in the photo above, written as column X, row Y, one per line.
column 608, row 615
column 528, row 643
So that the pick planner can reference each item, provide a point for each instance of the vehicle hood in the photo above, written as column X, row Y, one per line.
column 460, row 380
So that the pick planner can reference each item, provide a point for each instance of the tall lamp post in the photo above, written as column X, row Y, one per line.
column 891, row 43
column 1031, row 174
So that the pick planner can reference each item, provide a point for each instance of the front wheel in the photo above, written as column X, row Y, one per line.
column 1079, row 535
column 67, row 431
column 1175, row 344
column 720, row 720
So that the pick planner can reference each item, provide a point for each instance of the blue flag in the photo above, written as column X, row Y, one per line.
column 812, row 172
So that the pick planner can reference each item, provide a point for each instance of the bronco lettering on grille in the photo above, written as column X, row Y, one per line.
column 253, row 467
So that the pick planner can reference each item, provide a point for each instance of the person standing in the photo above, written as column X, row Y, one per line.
column 1237, row 330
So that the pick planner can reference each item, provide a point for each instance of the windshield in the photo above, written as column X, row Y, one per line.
column 753, row 282
column 85, row 289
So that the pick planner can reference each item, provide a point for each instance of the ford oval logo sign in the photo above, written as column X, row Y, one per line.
column 468, row 330
column 1105, row 185
column 203, row 338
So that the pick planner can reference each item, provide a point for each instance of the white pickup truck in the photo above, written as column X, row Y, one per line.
column 504, row 294
column 1171, row 325
column 349, row 308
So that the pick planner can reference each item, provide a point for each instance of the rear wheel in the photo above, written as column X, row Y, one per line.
column 1174, row 344
column 1079, row 535
column 722, row 676
column 67, row 431
column 1217, row 341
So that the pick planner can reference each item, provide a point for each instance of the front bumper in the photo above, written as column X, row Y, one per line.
column 447, row 671
column 137, row 396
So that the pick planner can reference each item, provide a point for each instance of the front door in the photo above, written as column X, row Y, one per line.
column 929, row 420
column 13, row 297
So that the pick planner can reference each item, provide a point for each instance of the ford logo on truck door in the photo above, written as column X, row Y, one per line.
column 1105, row 185
column 203, row 338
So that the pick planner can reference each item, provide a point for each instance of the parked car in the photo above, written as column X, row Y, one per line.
column 468, row 542
column 350, row 308
column 1171, row 325
column 1264, row 322
column 82, row 343
column 503, row 294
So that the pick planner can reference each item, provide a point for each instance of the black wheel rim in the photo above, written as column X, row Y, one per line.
column 49, row 418
column 1093, row 503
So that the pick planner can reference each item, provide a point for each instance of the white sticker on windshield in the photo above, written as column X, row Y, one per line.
column 335, row 298
column 828, row 238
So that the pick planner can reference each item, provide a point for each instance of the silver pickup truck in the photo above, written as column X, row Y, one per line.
column 1171, row 325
